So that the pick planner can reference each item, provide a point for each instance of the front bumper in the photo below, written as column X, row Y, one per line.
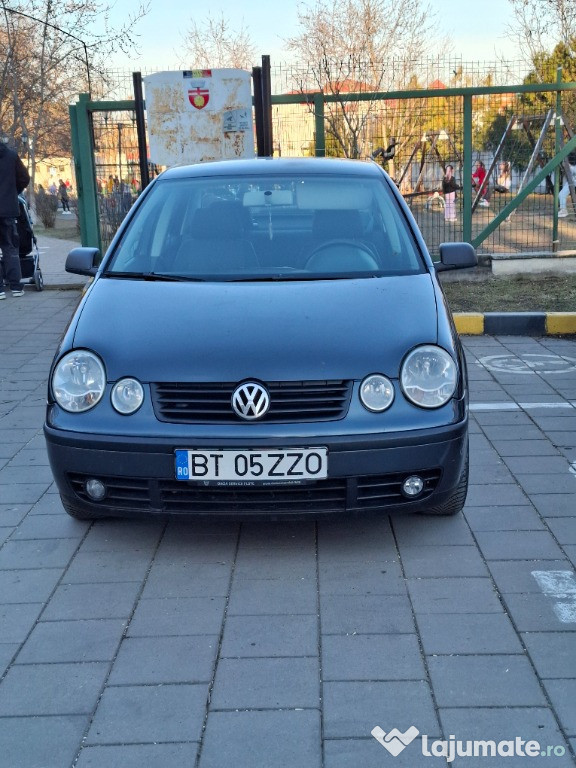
column 365, row 473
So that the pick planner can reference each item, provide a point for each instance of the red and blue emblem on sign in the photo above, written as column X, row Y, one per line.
column 198, row 97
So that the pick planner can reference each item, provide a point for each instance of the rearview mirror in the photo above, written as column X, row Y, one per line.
column 83, row 261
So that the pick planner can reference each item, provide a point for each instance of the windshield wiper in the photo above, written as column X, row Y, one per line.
column 296, row 278
column 154, row 276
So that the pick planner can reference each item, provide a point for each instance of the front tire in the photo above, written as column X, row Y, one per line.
column 76, row 512
column 455, row 503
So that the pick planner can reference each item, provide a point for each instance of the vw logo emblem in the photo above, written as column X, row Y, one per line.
column 250, row 401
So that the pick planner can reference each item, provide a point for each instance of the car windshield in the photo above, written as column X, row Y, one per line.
column 289, row 227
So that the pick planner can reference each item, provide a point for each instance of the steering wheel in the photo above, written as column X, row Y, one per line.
column 342, row 256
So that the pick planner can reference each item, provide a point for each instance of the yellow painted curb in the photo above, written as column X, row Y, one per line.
column 561, row 322
column 471, row 323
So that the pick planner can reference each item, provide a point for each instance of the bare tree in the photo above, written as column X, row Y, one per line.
column 362, row 46
column 49, row 52
column 539, row 25
column 213, row 44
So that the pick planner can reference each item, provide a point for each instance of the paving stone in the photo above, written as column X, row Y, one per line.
column 370, row 578
column 165, row 713
column 55, row 526
column 562, row 694
column 13, row 514
column 49, row 504
column 270, row 636
column 535, row 613
column 563, row 528
column 262, row 739
column 94, row 567
column 16, row 621
column 368, row 753
column 51, row 689
column 503, row 432
column 269, row 596
column 540, row 447
column 371, row 657
column 45, row 553
column 516, row 575
column 367, row 614
column 552, row 483
column 41, row 742
column 445, row 561
column 278, row 534
column 275, row 564
column 70, row 641
column 457, row 633
column 522, row 465
column 22, row 493
column 505, row 724
column 156, row 660
column 453, row 595
column 121, row 535
column 413, row 531
column 177, row 616
column 552, row 653
column 484, row 681
column 92, row 601
column 7, row 651
column 501, row 495
column 138, row 756
column 203, row 549
column 518, row 545
column 28, row 586
column 353, row 709
column 184, row 579
column 266, row 684
column 523, row 518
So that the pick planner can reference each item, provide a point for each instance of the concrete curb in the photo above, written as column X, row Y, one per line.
column 515, row 323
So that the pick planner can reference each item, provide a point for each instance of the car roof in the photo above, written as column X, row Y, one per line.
column 273, row 166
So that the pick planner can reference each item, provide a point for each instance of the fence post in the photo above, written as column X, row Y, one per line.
column 557, row 147
column 82, row 147
column 320, row 142
column 467, row 169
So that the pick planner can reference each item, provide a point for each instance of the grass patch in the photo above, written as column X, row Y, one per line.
column 61, row 233
column 513, row 294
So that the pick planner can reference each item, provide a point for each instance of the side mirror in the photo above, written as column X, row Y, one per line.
column 83, row 261
column 456, row 256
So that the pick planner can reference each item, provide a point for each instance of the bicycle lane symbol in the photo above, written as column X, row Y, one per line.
column 530, row 363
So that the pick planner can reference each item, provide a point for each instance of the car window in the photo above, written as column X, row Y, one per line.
column 285, row 227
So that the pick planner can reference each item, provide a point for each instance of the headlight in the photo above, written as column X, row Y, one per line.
column 127, row 395
column 78, row 381
column 376, row 393
column 429, row 376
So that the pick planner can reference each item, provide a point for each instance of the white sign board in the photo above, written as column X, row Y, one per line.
column 199, row 115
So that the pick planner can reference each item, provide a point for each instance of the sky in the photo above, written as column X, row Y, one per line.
column 476, row 28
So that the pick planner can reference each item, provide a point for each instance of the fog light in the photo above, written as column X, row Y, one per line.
column 95, row 489
column 412, row 486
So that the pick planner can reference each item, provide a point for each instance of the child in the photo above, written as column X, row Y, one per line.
column 449, row 187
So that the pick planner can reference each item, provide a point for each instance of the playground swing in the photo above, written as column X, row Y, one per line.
column 537, row 158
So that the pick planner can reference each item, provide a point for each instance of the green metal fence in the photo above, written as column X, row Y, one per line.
column 524, row 126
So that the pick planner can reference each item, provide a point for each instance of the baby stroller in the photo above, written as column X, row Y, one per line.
column 29, row 253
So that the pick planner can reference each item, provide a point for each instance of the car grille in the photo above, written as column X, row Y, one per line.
column 330, row 495
column 290, row 401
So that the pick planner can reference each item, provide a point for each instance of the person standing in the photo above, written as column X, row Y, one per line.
column 565, row 191
column 478, row 178
column 63, row 192
column 14, row 178
column 449, row 188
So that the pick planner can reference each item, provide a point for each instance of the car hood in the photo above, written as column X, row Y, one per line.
column 334, row 329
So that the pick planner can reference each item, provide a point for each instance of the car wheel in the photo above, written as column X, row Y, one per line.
column 456, row 502
column 76, row 512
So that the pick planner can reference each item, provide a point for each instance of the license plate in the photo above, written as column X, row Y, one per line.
column 283, row 465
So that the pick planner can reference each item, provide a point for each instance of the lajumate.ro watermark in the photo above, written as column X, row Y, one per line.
column 395, row 742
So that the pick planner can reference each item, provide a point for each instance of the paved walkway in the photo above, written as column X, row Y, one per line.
column 281, row 645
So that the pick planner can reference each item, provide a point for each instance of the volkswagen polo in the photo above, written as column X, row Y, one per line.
column 263, row 337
